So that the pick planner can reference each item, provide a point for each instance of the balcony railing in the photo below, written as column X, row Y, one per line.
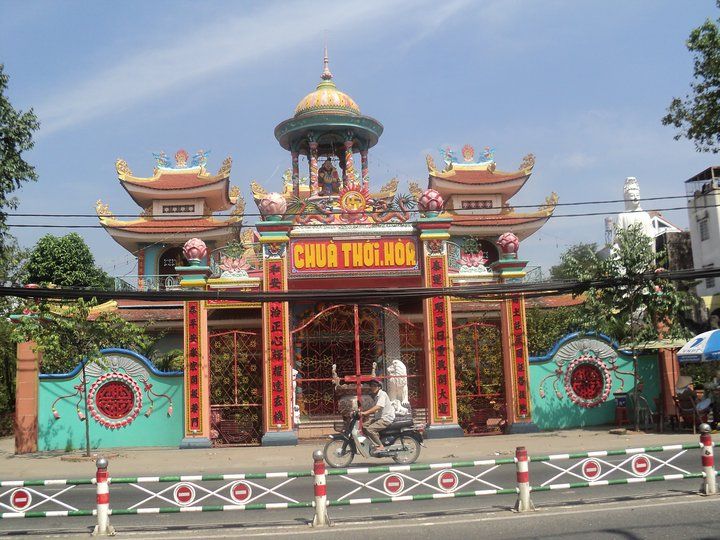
column 166, row 282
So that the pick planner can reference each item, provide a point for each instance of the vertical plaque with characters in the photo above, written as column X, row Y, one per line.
column 193, row 388
column 517, row 319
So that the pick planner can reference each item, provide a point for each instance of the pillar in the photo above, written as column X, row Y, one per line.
column 277, row 353
column 295, row 172
column 437, row 317
column 196, row 380
column 364, row 172
column 26, row 398
column 313, row 159
column 514, row 341
column 349, row 167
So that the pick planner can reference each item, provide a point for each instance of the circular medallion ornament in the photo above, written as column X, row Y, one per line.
column 353, row 201
column 588, row 381
column 114, row 400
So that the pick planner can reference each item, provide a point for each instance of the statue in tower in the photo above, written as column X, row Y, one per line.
column 328, row 179
column 633, row 213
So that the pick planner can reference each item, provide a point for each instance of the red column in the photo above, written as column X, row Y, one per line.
column 439, row 352
column 26, row 398
column 515, row 365
column 277, row 353
column 349, row 167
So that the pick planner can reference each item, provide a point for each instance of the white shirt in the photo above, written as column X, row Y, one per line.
column 387, row 411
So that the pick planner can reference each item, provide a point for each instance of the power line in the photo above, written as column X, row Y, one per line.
column 190, row 216
column 167, row 225
column 364, row 295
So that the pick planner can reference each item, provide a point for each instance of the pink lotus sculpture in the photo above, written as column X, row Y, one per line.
column 272, row 207
column 430, row 202
column 234, row 267
column 195, row 250
column 509, row 244
column 473, row 260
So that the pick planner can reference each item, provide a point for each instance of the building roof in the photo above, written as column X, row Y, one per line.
column 182, row 182
column 478, row 178
column 326, row 98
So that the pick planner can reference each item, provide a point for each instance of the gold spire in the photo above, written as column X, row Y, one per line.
column 326, row 74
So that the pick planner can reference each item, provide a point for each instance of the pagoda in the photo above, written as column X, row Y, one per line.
column 476, row 197
column 178, row 202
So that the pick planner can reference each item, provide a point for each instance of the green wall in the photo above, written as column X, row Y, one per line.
column 552, row 412
column 68, row 432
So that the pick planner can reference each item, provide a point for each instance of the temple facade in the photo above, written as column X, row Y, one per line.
column 271, row 373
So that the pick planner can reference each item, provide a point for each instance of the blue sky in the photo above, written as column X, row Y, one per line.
column 582, row 85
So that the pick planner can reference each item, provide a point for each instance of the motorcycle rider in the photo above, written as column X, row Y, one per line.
column 383, row 414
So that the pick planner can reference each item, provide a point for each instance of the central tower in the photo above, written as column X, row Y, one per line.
column 328, row 124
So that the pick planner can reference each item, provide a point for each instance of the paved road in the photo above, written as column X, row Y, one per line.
column 461, row 514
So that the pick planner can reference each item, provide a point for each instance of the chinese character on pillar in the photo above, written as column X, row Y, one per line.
column 440, row 361
column 195, row 371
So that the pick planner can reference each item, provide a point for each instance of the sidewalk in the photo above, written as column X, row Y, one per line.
column 169, row 461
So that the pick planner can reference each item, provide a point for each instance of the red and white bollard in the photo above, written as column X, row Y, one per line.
column 523, row 503
column 321, row 517
column 103, row 528
column 709, row 485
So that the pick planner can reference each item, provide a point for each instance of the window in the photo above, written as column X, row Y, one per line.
column 710, row 281
column 704, row 230
column 178, row 208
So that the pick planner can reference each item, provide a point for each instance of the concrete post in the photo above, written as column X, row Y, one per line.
column 103, row 528
column 709, row 485
column 523, row 504
column 321, row 517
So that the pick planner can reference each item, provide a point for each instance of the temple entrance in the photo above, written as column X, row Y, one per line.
column 167, row 275
column 235, row 388
column 358, row 340
column 479, row 378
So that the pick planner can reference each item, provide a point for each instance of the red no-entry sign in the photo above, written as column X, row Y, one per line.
column 184, row 494
column 20, row 499
column 240, row 492
column 591, row 469
column 394, row 484
column 641, row 465
column 447, row 480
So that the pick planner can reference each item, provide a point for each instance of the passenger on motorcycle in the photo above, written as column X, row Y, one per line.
column 383, row 414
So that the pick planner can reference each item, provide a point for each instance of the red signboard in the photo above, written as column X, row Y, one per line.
column 193, row 388
column 20, row 499
column 393, row 484
column 328, row 256
column 447, row 480
column 276, row 334
column 641, row 465
column 240, row 492
column 184, row 494
column 591, row 469
column 439, row 340
column 520, row 356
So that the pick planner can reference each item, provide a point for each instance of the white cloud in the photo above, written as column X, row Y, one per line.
column 231, row 43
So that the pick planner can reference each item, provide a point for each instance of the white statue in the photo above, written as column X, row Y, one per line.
column 397, row 383
column 633, row 213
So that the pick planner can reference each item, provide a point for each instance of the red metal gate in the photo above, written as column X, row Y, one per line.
column 479, row 378
column 352, row 337
column 235, row 388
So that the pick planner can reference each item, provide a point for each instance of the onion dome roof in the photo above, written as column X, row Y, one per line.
column 326, row 98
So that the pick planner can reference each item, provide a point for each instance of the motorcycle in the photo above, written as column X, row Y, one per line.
column 401, row 439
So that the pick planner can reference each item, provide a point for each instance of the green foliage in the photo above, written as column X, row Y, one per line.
column 637, row 310
column 697, row 117
column 545, row 327
column 11, row 271
column 16, row 130
column 66, row 261
column 66, row 333
column 577, row 256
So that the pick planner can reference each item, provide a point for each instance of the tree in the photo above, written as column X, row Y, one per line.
column 11, row 271
column 68, row 333
column 698, row 115
column 16, row 130
column 577, row 256
column 638, row 310
column 546, row 326
column 66, row 261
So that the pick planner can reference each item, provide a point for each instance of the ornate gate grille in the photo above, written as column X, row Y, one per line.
column 479, row 378
column 326, row 336
column 235, row 388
